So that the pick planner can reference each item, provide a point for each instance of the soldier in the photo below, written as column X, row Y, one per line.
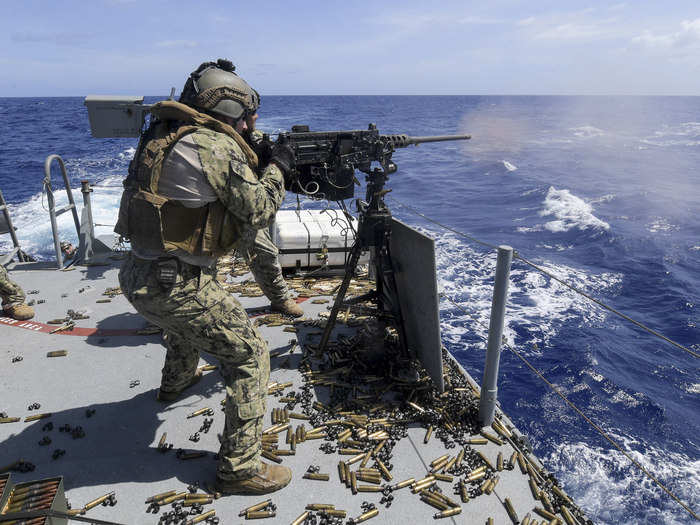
column 13, row 298
column 191, row 196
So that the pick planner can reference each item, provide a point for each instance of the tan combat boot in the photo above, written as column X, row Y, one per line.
column 268, row 479
column 166, row 397
column 21, row 312
column 288, row 307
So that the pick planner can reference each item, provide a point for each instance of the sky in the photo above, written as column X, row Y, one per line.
column 332, row 47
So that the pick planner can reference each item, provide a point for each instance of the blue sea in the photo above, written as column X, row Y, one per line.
column 601, row 191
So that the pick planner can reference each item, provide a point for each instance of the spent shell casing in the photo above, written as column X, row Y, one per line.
column 545, row 500
column 98, row 501
column 385, row 471
column 9, row 420
column 492, row 485
column 161, row 443
column 317, row 476
column 521, row 462
column 350, row 451
column 369, row 488
column 476, row 474
column 296, row 415
column 511, row 511
column 513, row 459
column 193, row 455
column 402, row 484
column 341, row 472
column 502, row 430
column 447, row 513
column 260, row 514
column 443, row 477
column 367, row 515
column 366, row 459
column 198, row 412
column 336, row 513
column 378, row 448
column 57, row 353
column 450, row 463
column 174, row 497
column 544, row 513
column 463, row 494
column 257, row 506
column 353, row 482
column 417, row 488
column 491, row 438
column 484, row 486
column 489, row 521
column 459, row 458
column 428, row 433
column 485, row 460
column 200, row 501
column 36, row 417
column 202, row 517
column 285, row 452
column 355, row 459
column 161, row 496
column 272, row 457
column 301, row 519
column 320, row 506
column 526, row 519
column 207, row 368
column 288, row 437
column 499, row 461
column 477, row 441
column 438, row 460
column 439, row 505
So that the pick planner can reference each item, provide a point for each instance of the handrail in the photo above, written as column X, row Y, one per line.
column 11, row 230
column 53, row 213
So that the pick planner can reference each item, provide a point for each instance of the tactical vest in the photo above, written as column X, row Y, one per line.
column 155, row 223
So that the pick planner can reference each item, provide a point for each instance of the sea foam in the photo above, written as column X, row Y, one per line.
column 569, row 211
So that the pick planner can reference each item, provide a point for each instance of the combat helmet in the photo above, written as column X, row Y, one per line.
column 214, row 87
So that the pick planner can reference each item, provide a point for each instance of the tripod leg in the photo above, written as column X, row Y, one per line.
column 340, row 297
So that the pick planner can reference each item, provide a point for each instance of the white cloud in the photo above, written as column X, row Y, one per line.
column 177, row 43
column 687, row 37
column 570, row 31
column 526, row 21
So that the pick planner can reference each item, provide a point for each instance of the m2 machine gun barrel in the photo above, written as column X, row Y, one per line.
column 403, row 141
column 326, row 161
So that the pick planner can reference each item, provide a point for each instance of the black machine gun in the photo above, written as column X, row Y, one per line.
column 326, row 160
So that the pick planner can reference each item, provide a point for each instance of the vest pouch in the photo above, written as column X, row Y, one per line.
column 144, row 220
column 122, row 226
column 182, row 227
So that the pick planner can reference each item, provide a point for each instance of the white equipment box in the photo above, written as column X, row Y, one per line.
column 306, row 238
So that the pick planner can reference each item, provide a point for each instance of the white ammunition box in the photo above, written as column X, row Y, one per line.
column 306, row 237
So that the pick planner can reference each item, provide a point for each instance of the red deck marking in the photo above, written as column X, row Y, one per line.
column 35, row 326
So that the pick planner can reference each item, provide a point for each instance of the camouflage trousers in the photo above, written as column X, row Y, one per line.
column 10, row 292
column 261, row 254
column 197, row 314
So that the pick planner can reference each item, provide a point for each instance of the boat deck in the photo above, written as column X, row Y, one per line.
column 112, row 367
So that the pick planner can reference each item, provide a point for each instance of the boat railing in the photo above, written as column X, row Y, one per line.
column 53, row 212
column 6, row 226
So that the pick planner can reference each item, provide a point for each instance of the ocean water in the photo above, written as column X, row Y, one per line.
column 601, row 191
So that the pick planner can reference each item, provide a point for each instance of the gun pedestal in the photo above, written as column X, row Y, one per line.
column 374, row 231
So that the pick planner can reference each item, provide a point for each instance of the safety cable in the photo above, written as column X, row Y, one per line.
column 584, row 416
column 517, row 256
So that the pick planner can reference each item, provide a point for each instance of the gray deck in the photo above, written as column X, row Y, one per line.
column 119, row 451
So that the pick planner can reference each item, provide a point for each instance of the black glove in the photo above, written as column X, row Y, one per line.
column 263, row 149
column 283, row 156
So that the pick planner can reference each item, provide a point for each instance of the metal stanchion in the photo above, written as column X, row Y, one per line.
column 489, row 386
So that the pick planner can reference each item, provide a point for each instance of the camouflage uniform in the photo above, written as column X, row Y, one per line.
column 10, row 292
column 196, row 313
column 261, row 254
